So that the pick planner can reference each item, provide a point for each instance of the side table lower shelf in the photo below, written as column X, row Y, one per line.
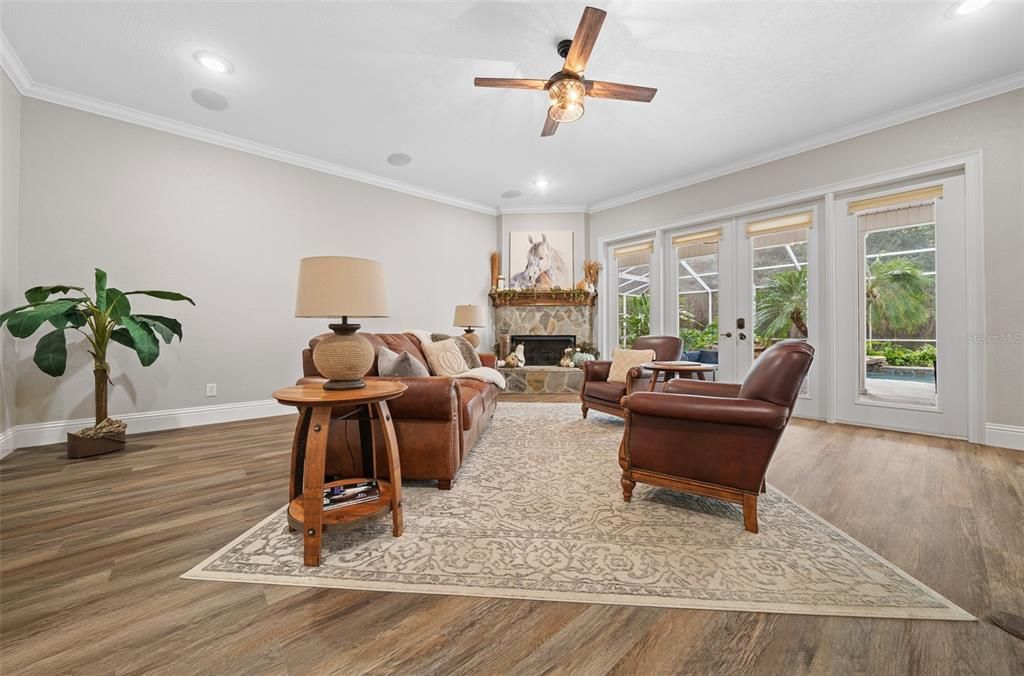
column 350, row 515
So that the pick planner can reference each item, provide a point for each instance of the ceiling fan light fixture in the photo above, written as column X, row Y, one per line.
column 566, row 91
column 569, row 112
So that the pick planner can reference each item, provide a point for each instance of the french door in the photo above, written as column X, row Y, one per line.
column 741, row 285
column 901, row 310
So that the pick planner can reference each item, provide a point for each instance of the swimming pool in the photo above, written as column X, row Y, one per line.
column 922, row 376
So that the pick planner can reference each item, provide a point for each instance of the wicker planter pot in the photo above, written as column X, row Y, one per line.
column 86, row 447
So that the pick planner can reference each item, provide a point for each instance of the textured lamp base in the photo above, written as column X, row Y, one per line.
column 472, row 338
column 343, row 358
column 345, row 384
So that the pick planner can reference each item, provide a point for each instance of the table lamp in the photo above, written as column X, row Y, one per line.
column 470, row 317
column 341, row 286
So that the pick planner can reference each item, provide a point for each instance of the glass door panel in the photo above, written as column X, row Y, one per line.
column 700, row 294
column 697, row 279
column 633, row 267
column 778, row 294
column 899, row 322
column 901, row 308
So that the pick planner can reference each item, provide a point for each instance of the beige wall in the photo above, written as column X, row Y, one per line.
column 994, row 125
column 10, row 136
column 576, row 222
column 228, row 228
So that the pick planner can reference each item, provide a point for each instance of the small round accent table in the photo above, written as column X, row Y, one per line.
column 671, row 369
column 309, row 450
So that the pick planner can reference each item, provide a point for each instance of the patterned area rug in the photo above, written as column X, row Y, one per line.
column 537, row 513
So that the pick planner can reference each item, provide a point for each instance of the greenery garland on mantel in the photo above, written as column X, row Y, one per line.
column 555, row 296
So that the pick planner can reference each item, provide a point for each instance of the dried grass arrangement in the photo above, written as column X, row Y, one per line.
column 495, row 269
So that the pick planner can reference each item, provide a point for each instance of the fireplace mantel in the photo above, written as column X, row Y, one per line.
column 532, row 298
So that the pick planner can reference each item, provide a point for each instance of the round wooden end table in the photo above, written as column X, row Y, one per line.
column 309, row 451
column 671, row 369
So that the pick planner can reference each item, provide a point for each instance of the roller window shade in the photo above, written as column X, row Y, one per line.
column 634, row 254
column 705, row 237
column 768, row 226
column 896, row 218
column 908, row 198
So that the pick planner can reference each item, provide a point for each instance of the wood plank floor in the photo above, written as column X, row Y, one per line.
column 91, row 551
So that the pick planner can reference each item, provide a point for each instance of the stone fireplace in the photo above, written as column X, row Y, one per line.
column 543, row 350
column 545, row 323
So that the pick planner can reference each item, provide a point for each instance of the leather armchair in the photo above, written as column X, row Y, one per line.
column 598, row 393
column 714, row 439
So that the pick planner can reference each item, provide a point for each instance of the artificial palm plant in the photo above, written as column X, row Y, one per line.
column 103, row 318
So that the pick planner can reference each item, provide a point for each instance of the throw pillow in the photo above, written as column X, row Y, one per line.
column 469, row 353
column 445, row 358
column 623, row 360
column 404, row 365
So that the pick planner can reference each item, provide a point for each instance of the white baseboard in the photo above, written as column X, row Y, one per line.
column 37, row 434
column 1006, row 436
column 6, row 442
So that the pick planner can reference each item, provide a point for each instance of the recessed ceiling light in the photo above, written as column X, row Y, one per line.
column 210, row 61
column 399, row 159
column 542, row 182
column 965, row 7
column 512, row 194
column 209, row 99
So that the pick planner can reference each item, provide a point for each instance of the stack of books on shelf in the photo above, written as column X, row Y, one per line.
column 351, row 494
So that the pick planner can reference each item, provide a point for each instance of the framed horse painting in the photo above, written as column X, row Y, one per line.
column 540, row 260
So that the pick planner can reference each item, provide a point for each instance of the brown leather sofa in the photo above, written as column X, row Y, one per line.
column 437, row 420
column 598, row 393
column 714, row 439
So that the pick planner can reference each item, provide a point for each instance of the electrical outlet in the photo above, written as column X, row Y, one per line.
column 211, row 390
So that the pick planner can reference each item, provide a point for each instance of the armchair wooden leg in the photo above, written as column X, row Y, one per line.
column 627, row 486
column 444, row 484
column 585, row 410
column 750, row 512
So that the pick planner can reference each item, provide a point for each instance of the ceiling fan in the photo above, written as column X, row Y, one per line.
column 567, row 88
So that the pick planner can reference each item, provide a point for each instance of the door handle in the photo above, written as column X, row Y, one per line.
column 742, row 336
column 727, row 334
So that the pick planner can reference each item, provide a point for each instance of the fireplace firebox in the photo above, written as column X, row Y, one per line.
column 543, row 350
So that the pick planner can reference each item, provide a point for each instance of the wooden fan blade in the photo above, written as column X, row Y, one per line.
column 583, row 42
column 509, row 83
column 550, row 127
column 622, row 92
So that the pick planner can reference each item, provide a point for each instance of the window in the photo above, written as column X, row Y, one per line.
column 898, row 249
column 698, row 277
column 779, row 273
column 633, row 288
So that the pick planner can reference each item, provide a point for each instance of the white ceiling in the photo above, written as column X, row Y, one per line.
column 351, row 83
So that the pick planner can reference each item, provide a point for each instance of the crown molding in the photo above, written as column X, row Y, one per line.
column 13, row 66
column 16, row 70
column 963, row 97
column 545, row 209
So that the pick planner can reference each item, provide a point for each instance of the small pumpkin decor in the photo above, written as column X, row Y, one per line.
column 101, row 319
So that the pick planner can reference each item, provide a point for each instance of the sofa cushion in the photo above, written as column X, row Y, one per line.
column 605, row 391
column 489, row 391
column 708, row 357
column 445, row 358
column 402, row 365
column 469, row 352
column 472, row 404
